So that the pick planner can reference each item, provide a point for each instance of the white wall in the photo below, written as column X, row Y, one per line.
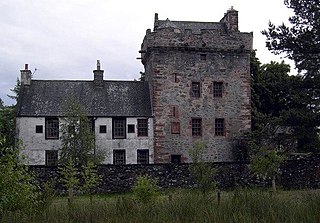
column 35, row 144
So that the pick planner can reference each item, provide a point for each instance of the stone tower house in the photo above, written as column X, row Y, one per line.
column 199, row 81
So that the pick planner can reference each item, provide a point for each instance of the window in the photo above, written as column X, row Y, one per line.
column 217, row 89
column 203, row 56
column 219, row 126
column 119, row 128
column 102, row 129
column 143, row 156
column 51, row 157
column 175, row 75
column 39, row 129
column 175, row 127
column 175, row 158
column 130, row 128
column 142, row 127
column 119, row 157
column 174, row 111
column 196, row 126
column 52, row 128
column 195, row 89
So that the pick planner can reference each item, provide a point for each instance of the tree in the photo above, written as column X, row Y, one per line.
column 279, row 100
column 18, row 188
column 78, row 142
column 90, row 178
column 266, row 163
column 203, row 172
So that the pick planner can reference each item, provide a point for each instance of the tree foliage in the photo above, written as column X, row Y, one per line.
column 145, row 189
column 18, row 188
column 203, row 172
column 279, row 102
column 78, row 142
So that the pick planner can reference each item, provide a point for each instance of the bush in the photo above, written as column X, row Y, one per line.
column 145, row 189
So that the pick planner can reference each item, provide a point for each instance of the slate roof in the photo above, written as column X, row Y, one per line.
column 115, row 98
column 195, row 26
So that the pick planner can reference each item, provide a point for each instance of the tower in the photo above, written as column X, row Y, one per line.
column 199, row 80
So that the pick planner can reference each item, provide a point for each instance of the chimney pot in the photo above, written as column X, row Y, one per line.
column 26, row 66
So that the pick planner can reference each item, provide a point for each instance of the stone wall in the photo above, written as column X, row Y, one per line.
column 298, row 173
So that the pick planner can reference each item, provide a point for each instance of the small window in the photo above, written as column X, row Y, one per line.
column 175, row 127
column 175, row 158
column 39, row 129
column 175, row 76
column 102, row 129
column 196, row 127
column 217, row 89
column 119, row 128
column 51, row 157
column 195, row 89
column 142, row 127
column 143, row 156
column 119, row 157
column 219, row 127
column 130, row 128
column 174, row 111
column 203, row 56
column 52, row 128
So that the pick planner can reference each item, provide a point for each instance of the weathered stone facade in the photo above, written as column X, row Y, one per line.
column 178, row 55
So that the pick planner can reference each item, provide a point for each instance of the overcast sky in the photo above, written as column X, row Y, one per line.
column 62, row 39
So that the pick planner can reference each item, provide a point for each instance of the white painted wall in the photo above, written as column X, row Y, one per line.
column 35, row 144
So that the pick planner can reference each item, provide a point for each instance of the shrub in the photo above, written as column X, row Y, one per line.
column 145, row 189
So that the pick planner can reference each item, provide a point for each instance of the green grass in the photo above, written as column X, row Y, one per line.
column 184, row 206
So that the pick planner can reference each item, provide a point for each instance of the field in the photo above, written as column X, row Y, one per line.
column 183, row 206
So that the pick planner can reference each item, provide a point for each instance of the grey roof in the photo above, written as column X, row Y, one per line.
column 115, row 98
column 168, row 24
column 195, row 26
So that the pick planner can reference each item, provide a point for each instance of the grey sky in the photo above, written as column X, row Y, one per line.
column 62, row 39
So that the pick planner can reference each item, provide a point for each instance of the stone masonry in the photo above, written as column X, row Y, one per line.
column 178, row 54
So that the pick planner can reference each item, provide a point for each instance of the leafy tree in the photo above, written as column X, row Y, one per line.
column 78, row 142
column 18, row 188
column 300, row 41
column 203, row 172
column 279, row 100
column 7, row 125
column 266, row 163
column 70, row 178
column 90, row 178
column 15, row 91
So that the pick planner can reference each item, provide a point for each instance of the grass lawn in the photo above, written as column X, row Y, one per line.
column 237, row 206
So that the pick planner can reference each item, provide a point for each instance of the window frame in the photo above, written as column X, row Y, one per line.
column 51, row 157
column 116, row 129
column 131, row 128
column 119, row 157
column 174, row 157
column 52, row 128
column 219, row 127
column 39, row 129
column 102, row 129
column 175, row 127
column 217, row 89
column 195, row 89
column 196, row 127
column 142, row 127
column 145, row 157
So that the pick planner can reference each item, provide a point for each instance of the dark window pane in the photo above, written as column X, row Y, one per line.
column 203, row 56
column 119, row 157
column 217, row 89
column 143, row 156
column 175, row 158
column 39, row 129
column 119, row 128
column 51, row 157
column 52, row 128
column 196, row 127
column 130, row 128
column 219, row 127
column 142, row 127
column 103, row 129
column 195, row 89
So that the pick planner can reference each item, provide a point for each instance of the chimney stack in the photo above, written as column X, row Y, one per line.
column 231, row 19
column 25, row 75
column 98, row 75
